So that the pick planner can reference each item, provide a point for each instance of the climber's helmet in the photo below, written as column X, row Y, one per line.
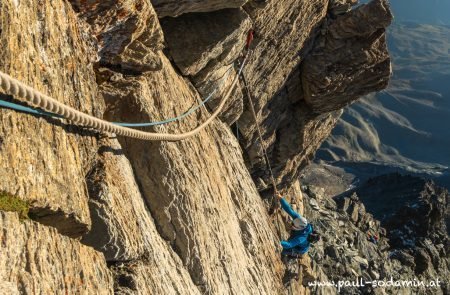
column 299, row 223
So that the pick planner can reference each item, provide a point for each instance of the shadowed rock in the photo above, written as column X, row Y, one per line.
column 178, row 7
column 351, row 60
column 205, row 46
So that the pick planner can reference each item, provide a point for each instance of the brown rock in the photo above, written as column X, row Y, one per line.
column 122, row 227
column 35, row 259
column 198, row 190
column 338, row 7
column 42, row 160
column 144, row 277
column 283, row 36
column 123, row 230
column 205, row 46
column 178, row 7
column 128, row 32
column 351, row 60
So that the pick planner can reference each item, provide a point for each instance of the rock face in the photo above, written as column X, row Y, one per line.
column 122, row 225
column 128, row 32
column 357, row 244
column 123, row 229
column 204, row 47
column 43, row 262
column 43, row 160
column 198, row 218
column 169, row 217
column 333, row 76
column 281, row 76
column 177, row 7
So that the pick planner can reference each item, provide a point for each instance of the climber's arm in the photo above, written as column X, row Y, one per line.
column 286, row 207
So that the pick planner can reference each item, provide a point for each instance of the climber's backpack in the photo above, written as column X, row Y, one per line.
column 313, row 237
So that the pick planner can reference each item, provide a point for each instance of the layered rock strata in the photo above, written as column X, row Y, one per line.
column 176, row 217
column 43, row 160
column 35, row 259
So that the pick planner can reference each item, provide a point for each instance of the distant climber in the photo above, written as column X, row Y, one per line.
column 301, row 236
column 372, row 238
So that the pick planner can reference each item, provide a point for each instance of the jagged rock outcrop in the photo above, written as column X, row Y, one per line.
column 174, row 217
column 128, row 33
column 41, row 261
column 406, row 204
column 177, row 7
column 282, row 72
column 356, row 244
column 350, row 60
column 204, row 47
column 44, row 161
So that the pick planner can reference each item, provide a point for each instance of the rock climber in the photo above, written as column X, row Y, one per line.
column 302, row 235
column 372, row 238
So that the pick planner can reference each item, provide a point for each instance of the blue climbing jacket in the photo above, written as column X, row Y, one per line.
column 298, row 241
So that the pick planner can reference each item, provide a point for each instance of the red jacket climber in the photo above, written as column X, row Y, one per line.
column 249, row 39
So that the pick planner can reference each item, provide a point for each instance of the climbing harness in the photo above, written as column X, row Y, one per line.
column 52, row 106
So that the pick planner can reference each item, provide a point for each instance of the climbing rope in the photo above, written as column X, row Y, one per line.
column 258, row 129
column 190, row 111
column 50, row 105
column 21, row 108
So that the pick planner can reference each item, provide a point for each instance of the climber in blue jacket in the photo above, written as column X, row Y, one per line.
column 301, row 236
column 298, row 242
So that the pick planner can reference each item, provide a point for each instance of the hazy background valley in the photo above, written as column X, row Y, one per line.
column 404, row 128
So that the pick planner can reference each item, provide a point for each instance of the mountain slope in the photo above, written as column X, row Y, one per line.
column 404, row 127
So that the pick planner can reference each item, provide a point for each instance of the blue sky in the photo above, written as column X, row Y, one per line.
column 421, row 11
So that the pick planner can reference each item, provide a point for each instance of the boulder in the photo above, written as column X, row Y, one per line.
column 332, row 251
column 422, row 260
column 361, row 261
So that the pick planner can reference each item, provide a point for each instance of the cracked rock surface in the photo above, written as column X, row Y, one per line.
column 136, row 217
